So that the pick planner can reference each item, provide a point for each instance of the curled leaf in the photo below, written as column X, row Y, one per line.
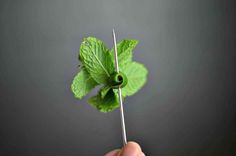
column 118, row 80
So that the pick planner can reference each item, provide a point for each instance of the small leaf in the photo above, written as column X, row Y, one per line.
column 104, row 90
column 137, row 76
column 124, row 51
column 82, row 84
column 96, row 58
column 106, row 104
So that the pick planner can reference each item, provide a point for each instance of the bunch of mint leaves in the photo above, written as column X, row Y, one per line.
column 98, row 66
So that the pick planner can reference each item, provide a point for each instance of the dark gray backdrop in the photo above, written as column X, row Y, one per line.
column 186, row 108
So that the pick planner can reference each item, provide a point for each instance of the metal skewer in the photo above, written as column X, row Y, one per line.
column 119, row 92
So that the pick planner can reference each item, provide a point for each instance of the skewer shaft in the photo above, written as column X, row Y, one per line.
column 122, row 118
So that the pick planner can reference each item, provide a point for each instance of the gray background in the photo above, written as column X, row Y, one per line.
column 186, row 108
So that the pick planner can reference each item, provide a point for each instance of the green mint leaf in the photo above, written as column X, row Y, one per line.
column 97, row 60
column 104, row 90
column 124, row 51
column 137, row 76
column 106, row 104
column 82, row 84
column 98, row 68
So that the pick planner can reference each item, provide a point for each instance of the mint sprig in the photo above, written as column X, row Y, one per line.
column 98, row 69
